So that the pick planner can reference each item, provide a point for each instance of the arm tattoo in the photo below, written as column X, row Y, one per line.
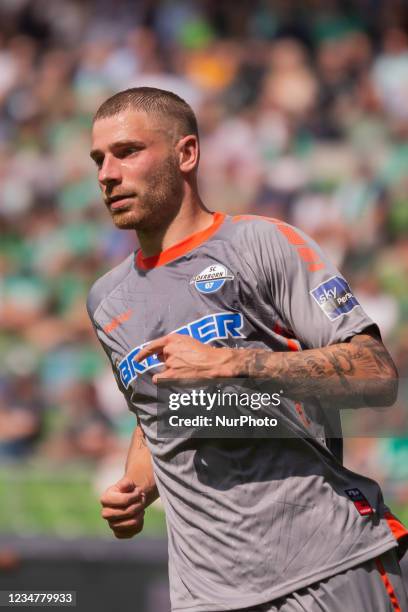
column 359, row 372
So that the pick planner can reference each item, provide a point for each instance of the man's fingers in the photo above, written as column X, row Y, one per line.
column 129, row 523
column 116, row 514
column 129, row 533
column 154, row 347
column 127, row 529
column 115, row 499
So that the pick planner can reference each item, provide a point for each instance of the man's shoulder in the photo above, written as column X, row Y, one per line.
column 105, row 284
column 250, row 230
column 257, row 224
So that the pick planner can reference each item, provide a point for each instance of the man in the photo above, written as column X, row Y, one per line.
column 271, row 524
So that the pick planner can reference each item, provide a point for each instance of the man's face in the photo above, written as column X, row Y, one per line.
column 138, row 172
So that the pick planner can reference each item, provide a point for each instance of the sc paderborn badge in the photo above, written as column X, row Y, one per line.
column 211, row 279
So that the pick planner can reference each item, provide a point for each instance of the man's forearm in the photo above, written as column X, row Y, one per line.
column 139, row 466
column 359, row 372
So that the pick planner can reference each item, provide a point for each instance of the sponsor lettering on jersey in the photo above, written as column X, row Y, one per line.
column 211, row 279
column 218, row 326
column 334, row 297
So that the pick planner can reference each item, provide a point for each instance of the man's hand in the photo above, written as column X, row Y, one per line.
column 123, row 508
column 184, row 357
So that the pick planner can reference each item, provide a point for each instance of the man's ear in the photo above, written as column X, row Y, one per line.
column 188, row 153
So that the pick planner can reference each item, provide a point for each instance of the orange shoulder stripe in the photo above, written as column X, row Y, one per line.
column 306, row 253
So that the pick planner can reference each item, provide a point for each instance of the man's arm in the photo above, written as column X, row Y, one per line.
column 356, row 373
column 124, row 503
column 139, row 466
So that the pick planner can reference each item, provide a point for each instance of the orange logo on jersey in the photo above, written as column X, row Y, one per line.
column 116, row 321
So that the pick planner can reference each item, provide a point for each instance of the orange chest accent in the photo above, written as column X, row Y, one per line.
column 116, row 321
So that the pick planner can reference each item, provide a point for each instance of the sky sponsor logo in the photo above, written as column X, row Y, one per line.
column 334, row 297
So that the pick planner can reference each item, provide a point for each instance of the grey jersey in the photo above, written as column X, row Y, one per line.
column 251, row 521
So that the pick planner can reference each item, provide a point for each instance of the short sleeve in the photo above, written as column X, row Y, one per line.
column 110, row 349
column 312, row 297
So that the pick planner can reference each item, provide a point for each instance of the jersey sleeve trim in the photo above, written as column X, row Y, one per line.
column 399, row 531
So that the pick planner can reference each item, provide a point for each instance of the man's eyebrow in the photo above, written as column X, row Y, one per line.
column 123, row 143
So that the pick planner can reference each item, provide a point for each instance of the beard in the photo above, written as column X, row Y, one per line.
column 159, row 202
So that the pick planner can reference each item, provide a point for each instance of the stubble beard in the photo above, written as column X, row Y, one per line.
column 158, row 204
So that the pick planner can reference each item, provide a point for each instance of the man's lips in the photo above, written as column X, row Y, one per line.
column 119, row 201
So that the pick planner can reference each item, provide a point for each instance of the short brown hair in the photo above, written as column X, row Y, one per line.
column 151, row 101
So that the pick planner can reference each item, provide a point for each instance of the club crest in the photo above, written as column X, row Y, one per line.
column 211, row 279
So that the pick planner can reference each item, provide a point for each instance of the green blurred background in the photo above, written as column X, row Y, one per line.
column 303, row 114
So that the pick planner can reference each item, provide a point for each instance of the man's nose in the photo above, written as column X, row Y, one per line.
column 110, row 171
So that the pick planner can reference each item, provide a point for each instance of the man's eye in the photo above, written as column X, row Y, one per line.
column 128, row 151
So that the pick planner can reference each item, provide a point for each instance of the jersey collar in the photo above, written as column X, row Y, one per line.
column 180, row 248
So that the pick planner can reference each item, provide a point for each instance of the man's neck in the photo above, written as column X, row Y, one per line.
column 192, row 217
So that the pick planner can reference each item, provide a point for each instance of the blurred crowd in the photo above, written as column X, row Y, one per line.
column 303, row 115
